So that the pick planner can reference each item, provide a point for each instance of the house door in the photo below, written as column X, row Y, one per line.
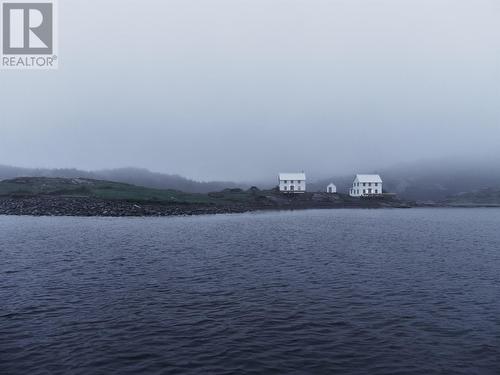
column 292, row 188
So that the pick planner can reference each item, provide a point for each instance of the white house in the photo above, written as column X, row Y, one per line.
column 366, row 185
column 331, row 189
column 292, row 182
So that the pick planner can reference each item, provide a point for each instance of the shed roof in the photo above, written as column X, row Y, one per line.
column 368, row 178
column 292, row 176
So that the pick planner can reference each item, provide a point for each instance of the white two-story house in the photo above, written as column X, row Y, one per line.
column 366, row 185
column 292, row 182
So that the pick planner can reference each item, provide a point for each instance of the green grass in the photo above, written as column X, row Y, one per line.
column 96, row 189
column 36, row 186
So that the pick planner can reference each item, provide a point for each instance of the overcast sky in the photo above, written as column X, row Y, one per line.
column 241, row 90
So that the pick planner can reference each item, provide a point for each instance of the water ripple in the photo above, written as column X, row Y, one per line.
column 314, row 292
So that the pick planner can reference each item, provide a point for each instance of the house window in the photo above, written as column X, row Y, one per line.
column 284, row 188
column 376, row 191
column 369, row 184
column 364, row 191
column 299, row 182
column 376, row 183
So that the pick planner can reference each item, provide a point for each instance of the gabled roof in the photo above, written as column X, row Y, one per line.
column 368, row 178
column 292, row 176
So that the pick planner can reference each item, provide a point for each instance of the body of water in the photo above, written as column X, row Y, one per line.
column 310, row 292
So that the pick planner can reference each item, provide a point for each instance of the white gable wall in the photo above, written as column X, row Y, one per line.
column 366, row 185
column 292, row 183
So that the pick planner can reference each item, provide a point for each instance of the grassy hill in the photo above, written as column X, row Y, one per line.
column 87, row 197
column 134, row 176
column 25, row 187
column 485, row 197
column 82, row 187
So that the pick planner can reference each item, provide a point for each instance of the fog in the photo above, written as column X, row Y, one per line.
column 240, row 90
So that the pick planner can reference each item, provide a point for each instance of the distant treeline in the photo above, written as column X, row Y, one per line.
column 135, row 176
column 434, row 181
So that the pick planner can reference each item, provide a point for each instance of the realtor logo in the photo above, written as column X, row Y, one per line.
column 28, row 35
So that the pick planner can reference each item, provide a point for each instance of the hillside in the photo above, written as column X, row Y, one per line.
column 486, row 198
column 88, row 197
column 24, row 187
column 135, row 176
column 420, row 181
column 431, row 180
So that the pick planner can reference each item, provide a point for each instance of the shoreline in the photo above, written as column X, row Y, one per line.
column 47, row 206
column 93, row 207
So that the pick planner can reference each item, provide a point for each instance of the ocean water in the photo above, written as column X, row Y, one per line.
column 308, row 292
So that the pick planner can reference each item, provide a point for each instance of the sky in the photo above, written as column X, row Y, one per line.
column 243, row 89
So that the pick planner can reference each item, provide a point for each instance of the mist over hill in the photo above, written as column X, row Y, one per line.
column 421, row 181
column 429, row 180
column 135, row 176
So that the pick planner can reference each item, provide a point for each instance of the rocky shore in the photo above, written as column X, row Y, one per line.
column 71, row 206
column 87, row 206
column 84, row 197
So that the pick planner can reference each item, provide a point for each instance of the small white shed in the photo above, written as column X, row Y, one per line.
column 331, row 189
